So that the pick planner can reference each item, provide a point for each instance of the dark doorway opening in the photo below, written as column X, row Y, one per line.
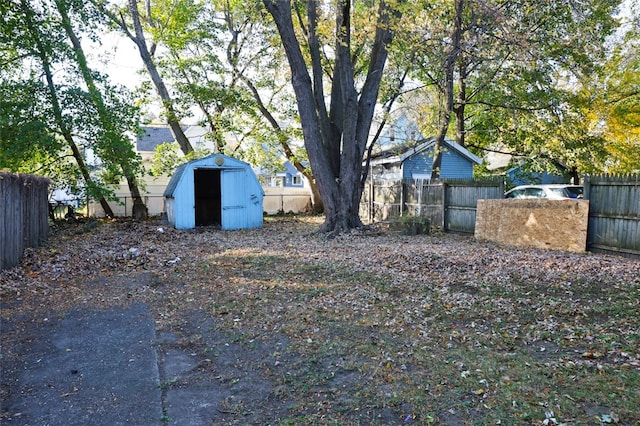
column 208, row 197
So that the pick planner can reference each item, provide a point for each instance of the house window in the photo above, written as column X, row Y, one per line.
column 297, row 180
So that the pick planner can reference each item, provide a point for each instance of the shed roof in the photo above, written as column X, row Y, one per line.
column 399, row 153
column 174, row 181
column 207, row 161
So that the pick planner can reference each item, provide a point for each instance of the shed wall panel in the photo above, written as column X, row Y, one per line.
column 184, row 204
column 241, row 194
column 234, row 209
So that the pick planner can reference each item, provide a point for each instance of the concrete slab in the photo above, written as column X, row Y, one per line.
column 86, row 368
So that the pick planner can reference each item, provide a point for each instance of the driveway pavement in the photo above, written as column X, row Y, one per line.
column 95, row 368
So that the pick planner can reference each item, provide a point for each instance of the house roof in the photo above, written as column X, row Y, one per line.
column 399, row 153
column 152, row 136
column 290, row 169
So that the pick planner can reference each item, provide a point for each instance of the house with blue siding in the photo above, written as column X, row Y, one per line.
column 401, row 130
column 523, row 175
column 217, row 190
column 290, row 177
column 414, row 160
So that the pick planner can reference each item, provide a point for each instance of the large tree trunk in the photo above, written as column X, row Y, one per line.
column 140, row 211
column 57, row 110
column 317, row 205
column 335, row 141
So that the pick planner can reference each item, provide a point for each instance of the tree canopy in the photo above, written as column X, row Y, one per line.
column 545, row 81
column 57, row 109
column 516, row 77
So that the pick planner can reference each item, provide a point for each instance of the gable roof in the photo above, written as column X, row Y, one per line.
column 152, row 136
column 399, row 153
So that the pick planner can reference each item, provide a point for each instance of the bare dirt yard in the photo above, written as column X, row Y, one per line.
column 283, row 326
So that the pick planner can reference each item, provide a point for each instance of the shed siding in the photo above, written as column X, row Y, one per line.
column 234, row 205
column 241, row 200
column 185, row 201
column 241, row 194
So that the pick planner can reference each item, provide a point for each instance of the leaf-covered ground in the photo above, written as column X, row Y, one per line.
column 366, row 328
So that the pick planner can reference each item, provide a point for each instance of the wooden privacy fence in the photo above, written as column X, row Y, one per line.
column 448, row 204
column 614, row 206
column 24, row 220
column 614, row 213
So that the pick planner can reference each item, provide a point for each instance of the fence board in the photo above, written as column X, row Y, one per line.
column 449, row 205
column 24, row 211
column 462, row 199
column 425, row 199
column 614, row 216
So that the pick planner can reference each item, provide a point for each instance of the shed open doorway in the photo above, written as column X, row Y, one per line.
column 208, row 197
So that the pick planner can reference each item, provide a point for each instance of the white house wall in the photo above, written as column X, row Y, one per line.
column 151, row 191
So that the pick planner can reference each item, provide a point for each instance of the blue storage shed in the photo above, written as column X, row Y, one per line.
column 414, row 160
column 214, row 191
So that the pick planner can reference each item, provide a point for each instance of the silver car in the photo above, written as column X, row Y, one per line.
column 551, row 192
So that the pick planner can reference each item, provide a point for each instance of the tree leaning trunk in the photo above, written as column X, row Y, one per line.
column 447, row 90
column 317, row 205
column 145, row 55
column 57, row 110
column 138, row 38
column 140, row 211
column 461, row 100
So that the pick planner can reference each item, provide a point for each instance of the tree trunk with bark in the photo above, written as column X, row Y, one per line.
column 158, row 82
column 335, row 140
column 447, row 90
column 461, row 101
column 57, row 110
column 140, row 211
column 145, row 54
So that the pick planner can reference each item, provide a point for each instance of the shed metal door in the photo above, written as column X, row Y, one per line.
column 233, row 198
